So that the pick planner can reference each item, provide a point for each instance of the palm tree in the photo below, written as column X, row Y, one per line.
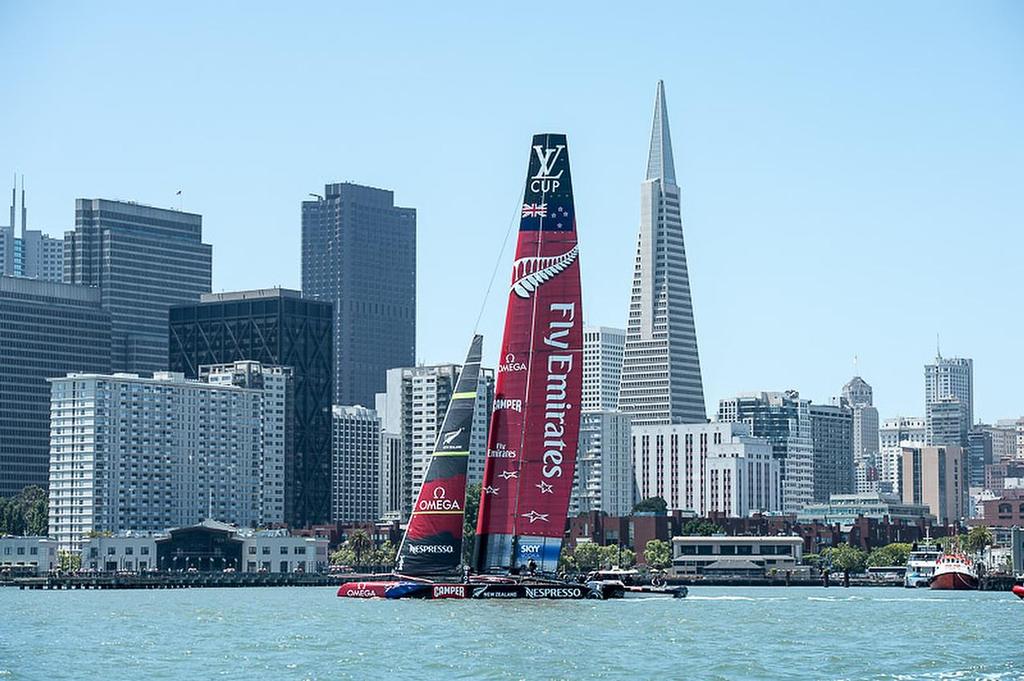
column 360, row 543
column 978, row 539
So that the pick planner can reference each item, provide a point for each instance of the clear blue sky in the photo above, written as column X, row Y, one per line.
column 851, row 173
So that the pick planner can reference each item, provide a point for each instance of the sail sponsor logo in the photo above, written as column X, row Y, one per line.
column 545, row 180
column 529, row 549
column 494, row 592
column 529, row 273
column 510, row 404
column 449, row 437
column 439, row 502
column 553, row 592
column 511, row 365
column 556, row 406
column 501, row 451
column 449, row 591
column 419, row 549
column 361, row 593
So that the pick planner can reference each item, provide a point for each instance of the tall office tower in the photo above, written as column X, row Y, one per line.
column 33, row 254
column 359, row 253
column 949, row 378
column 275, row 327
column 937, row 477
column 277, row 385
column 46, row 330
column 894, row 435
column 413, row 407
column 661, row 380
column 832, row 438
column 604, row 468
column 785, row 421
column 946, row 422
column 979, row 454
column 143, row 260
column 602, row 367
column 859, row 397
column 704, row 468
column 159, row 452
column 355, row 467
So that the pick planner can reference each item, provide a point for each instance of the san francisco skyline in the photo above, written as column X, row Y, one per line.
column 842, row 194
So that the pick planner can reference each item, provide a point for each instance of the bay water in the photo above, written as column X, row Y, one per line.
column 308, row 633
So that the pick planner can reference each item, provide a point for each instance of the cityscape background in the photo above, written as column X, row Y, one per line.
column 849, row 175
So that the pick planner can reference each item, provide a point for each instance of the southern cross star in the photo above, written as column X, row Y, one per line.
column 533, row 517
column 545, row 487
column 508, row 475
column 491, row 490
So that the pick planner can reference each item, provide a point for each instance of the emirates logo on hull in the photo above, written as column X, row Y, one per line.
column 529, row 273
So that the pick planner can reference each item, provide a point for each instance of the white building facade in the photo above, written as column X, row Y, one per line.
column 894, row 435
column 355, row 465
column 604, row 468
column 147, row 454
column 602, row 367
column 704, row 468
column 28, row 555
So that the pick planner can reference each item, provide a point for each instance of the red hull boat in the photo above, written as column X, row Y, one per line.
column 1018, row 591
column 954, row 572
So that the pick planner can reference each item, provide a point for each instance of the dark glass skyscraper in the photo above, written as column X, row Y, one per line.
column 143, row 260
column 47, row 330
column 273, row 327
column 359, row 253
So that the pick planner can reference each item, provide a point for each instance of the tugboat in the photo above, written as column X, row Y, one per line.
column 954, row 571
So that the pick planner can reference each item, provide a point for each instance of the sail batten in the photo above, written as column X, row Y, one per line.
column 432, row 544
column 535, row 425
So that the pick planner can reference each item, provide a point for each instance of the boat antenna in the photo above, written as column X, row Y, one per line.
column 516, row 214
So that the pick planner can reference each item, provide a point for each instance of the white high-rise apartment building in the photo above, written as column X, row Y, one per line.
column 355, row 465
column 602, row 367
column 414, row 407
column 713, row 467
column 148, row 454
column 278, row 421
column 949, row 378
column 604, row 468
column 661, row 380
column 894, row 435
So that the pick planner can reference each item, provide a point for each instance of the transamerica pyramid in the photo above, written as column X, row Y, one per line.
column 661, row 380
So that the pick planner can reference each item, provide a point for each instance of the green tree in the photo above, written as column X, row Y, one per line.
column 978, row 539
column 361, row 544
column 812, row 559
column 701, row 527
column 889, row 555
column 846, row 558
column 69, row 562
column 587, row 556
column 567, row 561
column 25, row 514
column 384, row 555
column 658, row 554
column 614, row 556
column 469, row 522
column 343, row 555
column 651, row 505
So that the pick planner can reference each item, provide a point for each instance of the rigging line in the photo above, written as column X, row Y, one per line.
column 516, row 214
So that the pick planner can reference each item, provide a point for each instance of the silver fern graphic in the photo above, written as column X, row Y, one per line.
column 529, row 273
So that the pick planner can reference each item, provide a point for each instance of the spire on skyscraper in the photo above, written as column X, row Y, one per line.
column 659, row 159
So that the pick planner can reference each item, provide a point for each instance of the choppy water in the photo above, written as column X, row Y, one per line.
column 307, row 633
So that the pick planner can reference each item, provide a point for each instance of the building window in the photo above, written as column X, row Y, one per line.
column 284, row 550
column 110, row 550
column 144, row 550
column 252, row 550
column 266, row 552
column 284, row 566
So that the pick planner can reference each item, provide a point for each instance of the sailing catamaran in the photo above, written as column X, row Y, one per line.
column 531, row 445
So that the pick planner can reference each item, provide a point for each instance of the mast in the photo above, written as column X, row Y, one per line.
column 432, row 544
column 531, row 447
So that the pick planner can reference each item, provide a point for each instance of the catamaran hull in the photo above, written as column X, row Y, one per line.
column 479, row 591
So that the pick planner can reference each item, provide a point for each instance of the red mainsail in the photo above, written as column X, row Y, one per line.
column 531, row 447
